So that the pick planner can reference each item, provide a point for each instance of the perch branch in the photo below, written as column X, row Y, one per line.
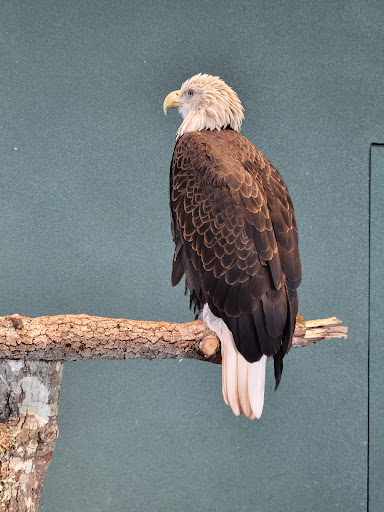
column 79, row 337
column 31, row 352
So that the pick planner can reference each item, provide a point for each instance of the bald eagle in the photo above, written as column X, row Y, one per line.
column 235, row 236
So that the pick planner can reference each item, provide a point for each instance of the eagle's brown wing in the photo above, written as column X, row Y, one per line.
column 236, row 239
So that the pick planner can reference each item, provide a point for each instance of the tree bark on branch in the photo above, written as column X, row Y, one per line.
column 78, row 337
column 31, row 355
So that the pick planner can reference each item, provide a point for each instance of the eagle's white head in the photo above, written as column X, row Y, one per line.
column 206, row 103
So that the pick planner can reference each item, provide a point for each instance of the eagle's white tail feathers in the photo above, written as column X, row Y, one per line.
column 229, row 371
column 243, row 383
column 256, row 385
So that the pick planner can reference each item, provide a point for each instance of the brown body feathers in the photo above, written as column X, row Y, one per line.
column 236, row 240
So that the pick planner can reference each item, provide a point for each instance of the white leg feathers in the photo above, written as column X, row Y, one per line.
column 243, row 383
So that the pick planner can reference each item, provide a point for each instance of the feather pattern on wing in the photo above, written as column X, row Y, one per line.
column 236, row 241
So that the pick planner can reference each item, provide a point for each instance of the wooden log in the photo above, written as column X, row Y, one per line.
column 79, row 337
column 29, row 400
column 31, row 355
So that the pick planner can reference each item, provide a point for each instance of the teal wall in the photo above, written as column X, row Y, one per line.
column 84, row 158
column 376, row 324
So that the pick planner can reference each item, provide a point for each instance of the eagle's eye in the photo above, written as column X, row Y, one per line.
column 190, row 92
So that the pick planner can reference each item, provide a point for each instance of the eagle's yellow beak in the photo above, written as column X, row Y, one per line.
column 173, row 100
